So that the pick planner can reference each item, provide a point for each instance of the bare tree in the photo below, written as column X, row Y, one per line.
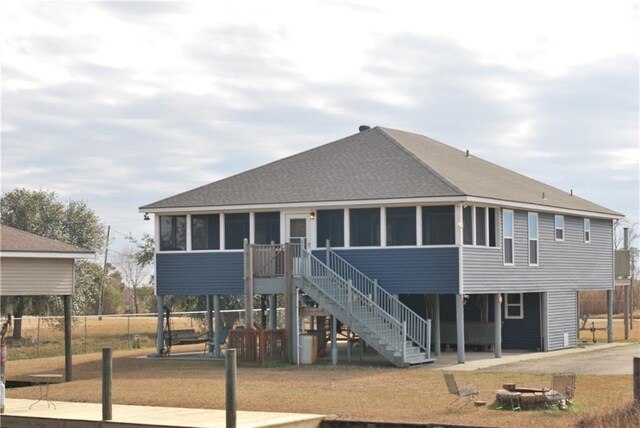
column 134, row 274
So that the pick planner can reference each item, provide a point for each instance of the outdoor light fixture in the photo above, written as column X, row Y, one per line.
column 146, row 217
column 312, row 215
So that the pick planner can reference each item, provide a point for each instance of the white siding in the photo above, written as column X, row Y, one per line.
column 31, row 276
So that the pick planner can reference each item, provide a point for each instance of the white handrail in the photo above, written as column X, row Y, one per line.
column 349, row 298
column 417, row 329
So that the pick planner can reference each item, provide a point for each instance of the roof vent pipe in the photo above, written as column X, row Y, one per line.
column 571, row 192
column 468, row 153
column 364, row 128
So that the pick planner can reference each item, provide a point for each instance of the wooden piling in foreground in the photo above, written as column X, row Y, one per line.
column 231, row 396
column 636, row 378
column 107, row 369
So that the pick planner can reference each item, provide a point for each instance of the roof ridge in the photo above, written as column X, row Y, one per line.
column 428, row 167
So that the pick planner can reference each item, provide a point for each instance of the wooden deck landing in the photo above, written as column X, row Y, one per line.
column 76, row 415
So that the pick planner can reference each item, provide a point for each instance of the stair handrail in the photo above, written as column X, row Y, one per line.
column 325, row 278
column 418, row 329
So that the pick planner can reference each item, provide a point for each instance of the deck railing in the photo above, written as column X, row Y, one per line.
column 256, row 346
column 418, row 329
column 268, row 260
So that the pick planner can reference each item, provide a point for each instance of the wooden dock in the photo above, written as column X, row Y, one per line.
column 81, row 415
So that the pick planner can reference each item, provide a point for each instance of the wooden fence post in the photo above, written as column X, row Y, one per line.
column 231, row 397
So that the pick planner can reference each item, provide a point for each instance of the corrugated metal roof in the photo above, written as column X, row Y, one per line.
column 379, row 163
column 12, row 239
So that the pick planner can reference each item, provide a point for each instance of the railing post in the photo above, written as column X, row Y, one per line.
column 328, row 252
column 375, row 292
column 350, row 299
column 404, row 342
column 429, row 339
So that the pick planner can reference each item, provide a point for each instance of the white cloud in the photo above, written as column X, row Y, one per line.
column 124, row 103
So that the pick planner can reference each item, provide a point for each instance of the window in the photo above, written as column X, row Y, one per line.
column 173, row 233
column 467, row 225
column 507, row 235
column 439, row 225
column 267, row 228
column 587, row 230
column 205, row 232
column 364, row 227
column 236, row 230
column 481, row 226
column 514, row 306
column 533, row 239
column 331, row 227
column 559, row 221
column 401, row 226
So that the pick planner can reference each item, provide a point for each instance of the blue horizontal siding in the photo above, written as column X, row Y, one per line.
column 523, row 333
column 199, row 273
column 408, row 270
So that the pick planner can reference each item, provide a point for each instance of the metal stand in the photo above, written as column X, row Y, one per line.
column 43, row 381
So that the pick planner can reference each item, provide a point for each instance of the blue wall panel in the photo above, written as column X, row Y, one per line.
column 523, row 333
column 408, row 270
column 200, row 273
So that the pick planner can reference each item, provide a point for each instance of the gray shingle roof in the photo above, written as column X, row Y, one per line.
column 379, row 163
column 12, row 239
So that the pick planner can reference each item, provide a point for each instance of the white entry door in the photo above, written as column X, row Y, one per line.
column 297, row 228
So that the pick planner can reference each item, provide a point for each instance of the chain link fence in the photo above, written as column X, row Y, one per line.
column 44, row 336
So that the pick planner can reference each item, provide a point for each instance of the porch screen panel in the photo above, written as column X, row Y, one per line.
column 330, row 226
column 467, row 221
column 205, row 232
column 267, row 228
column 492, row 228
column 364, row 227
column 481, row 226
column 236, row 230
column 401, row 226
column 173, row 233
column 438, row 225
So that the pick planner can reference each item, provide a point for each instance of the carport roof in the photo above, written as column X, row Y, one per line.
column 13, row 240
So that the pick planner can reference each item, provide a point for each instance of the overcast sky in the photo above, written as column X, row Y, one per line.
column 120, row 104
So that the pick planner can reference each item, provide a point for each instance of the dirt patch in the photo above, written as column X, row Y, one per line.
column 376, row 394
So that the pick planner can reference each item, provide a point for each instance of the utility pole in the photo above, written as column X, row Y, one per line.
column 101, row 297
column 626, row 289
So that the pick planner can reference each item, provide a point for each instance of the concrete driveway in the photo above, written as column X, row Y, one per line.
column 612, row 361
column 603, row 359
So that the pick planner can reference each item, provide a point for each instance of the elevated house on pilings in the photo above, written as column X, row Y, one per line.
column 413, row 244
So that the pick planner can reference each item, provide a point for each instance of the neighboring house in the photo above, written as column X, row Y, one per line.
column 456, row 238
column 31, row 265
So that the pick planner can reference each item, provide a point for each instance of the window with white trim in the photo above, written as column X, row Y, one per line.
column 533, row 239
column 513, row 306
column 507, row 236
column 587, row 230
column 559, row 227
column 173, row 232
